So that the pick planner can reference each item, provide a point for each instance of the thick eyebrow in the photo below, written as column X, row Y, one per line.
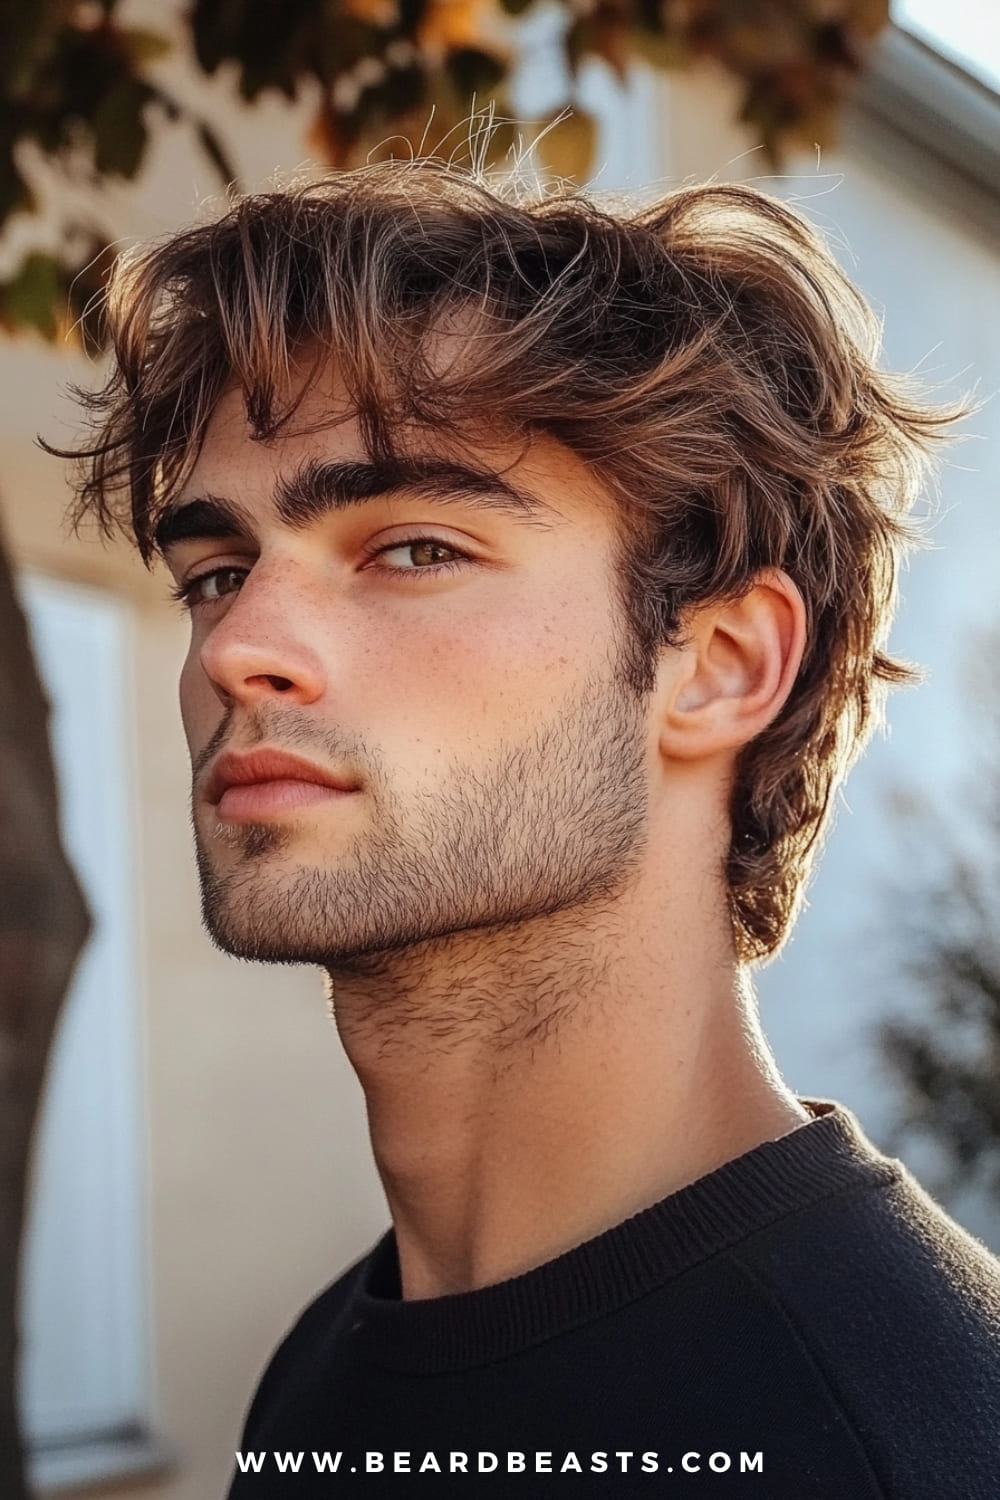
column 210, row 517
column 319, row 487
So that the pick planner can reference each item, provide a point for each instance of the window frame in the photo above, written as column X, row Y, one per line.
column 923, row 116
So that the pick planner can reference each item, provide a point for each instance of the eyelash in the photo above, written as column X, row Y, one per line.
column 183, row 593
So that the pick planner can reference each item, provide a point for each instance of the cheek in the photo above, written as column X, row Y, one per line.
column 515, row 656
column 534, row 641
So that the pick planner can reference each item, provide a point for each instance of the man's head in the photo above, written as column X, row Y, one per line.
column 626, row 421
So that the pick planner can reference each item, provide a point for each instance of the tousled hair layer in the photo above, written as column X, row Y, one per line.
column 704, row 354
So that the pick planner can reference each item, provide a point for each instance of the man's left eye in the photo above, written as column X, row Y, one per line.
column 422, row 546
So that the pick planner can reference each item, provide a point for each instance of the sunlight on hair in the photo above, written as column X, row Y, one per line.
column 703, row 353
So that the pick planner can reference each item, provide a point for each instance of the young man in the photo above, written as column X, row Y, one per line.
column 540, row 560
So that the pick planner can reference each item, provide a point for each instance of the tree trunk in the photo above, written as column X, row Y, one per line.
column 44, row 925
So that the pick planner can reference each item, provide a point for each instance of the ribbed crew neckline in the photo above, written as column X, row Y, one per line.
column 434, row 1335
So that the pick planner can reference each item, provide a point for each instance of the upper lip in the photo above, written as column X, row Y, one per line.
column 234, row 769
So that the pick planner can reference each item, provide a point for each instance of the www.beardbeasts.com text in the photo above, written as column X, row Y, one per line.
column 514, row 1461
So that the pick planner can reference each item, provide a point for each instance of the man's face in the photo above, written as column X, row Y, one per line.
column 498, row 766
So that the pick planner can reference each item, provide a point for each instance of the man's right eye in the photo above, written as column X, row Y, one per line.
column 208, row 588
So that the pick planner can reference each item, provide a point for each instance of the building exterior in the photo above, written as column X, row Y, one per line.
column 204, row 1165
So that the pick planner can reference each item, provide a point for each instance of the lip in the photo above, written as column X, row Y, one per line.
column 263, row 781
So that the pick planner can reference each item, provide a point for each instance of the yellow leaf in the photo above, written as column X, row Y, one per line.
column 568, row 149
column 869, row 17
column 381, row 13
column 447, row 24
column 661, row 50
column 31, row 296
column 141, row 46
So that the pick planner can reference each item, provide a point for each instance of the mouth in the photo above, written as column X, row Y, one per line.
column 268, row 783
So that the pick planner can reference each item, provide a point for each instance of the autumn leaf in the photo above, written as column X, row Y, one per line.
column 30, row 298
column 568, row 148
column 119, row 128
column 141, row 46
column 396, row 76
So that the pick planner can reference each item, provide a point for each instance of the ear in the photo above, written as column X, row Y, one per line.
column 734, row 676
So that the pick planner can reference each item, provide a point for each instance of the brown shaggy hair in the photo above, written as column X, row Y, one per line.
column 703, row 353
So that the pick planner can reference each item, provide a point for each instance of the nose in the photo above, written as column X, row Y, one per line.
column 263, row 646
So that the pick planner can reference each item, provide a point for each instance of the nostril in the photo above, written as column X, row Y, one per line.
column 282, row 684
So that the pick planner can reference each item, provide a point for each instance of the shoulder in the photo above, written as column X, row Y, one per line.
column 898, row 1307
column 887, row 1246
column 320, row 1320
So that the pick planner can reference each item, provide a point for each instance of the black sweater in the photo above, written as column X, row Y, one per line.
column 806, row 1305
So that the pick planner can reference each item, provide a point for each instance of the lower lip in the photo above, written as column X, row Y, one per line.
column 250, row 801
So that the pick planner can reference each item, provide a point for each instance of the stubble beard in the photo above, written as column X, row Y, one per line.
column 556, row 821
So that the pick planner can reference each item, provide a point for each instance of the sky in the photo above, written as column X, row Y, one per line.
column 966, row 30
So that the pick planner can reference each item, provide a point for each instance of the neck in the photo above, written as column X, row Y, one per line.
column 529, row 1087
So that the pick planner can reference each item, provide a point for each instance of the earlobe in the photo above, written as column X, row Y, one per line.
column 734, row 676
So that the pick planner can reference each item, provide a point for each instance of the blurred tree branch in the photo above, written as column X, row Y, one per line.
column 44, row 925
column 944, row 947
column 75, row 84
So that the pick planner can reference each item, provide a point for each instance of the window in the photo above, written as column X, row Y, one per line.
column 85, row 1358
column 966, row 31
